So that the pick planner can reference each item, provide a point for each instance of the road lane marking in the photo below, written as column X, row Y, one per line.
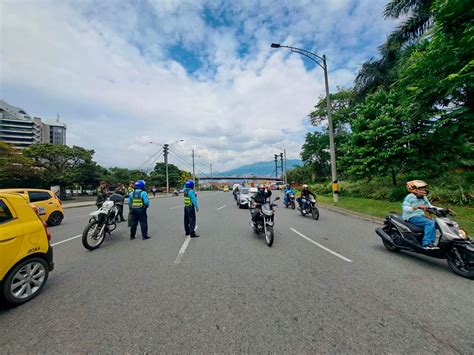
column 322, row 246
column 175, row 207
column 221, row 207
column 182, row 250
column 66, row 240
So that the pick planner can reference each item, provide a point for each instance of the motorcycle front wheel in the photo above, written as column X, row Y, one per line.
column 460, row 267
column 93, row 235
column 292, row 203
column 269, row 236
column 315, row 213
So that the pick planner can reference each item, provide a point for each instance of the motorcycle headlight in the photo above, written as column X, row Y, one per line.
column 267, row 212
column 462, row 233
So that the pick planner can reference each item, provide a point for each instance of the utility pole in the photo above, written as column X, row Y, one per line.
column 194, row 177
column 286, row 168
column 276, row 166
column 282, row 169
column 165, row 154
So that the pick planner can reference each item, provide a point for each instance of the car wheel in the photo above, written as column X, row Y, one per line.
column 25, row 281
column 55, row 219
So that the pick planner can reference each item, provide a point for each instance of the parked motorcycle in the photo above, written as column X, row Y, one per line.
column 102, row 222
column 310, row 208
column 290, row 200
column 265, row 220
column 453, row 242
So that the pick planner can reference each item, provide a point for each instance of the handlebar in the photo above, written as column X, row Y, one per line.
column 440, row 212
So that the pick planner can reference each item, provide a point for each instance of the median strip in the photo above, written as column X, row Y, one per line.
column 322, row 246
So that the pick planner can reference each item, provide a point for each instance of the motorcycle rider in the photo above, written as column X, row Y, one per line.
column 414, row 206
column 120, row 190
column 304, row 197
column 257, row 201
column 138, row 202
column 190, row 209
column 288, row 190
column 102, row 191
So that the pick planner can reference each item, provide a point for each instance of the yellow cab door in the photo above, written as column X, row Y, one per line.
column 43, row 201
column 11, row 236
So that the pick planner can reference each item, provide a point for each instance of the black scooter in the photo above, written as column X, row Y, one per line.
column 453, row 242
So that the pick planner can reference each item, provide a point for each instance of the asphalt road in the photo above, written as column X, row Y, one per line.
column 229, row 292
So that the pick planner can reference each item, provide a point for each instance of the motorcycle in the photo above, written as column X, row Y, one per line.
column 265, row 220
column 102, row 221
column 290, row 200
column 453, row 242
column 310, row 208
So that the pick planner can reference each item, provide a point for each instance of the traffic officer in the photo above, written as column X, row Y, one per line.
column 190, row 204
column 138, row 203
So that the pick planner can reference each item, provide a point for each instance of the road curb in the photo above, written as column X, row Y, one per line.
column 92, row 203
column 353, row 214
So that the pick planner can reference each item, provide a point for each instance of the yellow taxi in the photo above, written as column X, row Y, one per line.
column 26, row 258
column 49, row 206
column 226, row 188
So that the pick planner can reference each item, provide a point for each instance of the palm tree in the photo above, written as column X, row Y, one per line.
column 377, row 73
column 420, row 18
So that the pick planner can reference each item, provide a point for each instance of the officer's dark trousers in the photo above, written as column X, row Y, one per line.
column 139, row 215
column 189, row 220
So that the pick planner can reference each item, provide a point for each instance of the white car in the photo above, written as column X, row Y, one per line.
column 243, row 198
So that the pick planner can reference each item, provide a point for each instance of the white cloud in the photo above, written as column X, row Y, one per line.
column 108, row 71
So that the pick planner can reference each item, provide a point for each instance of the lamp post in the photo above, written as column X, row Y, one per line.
column 321, row 61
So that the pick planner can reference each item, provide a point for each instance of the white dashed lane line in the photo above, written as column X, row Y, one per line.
column 321, row 246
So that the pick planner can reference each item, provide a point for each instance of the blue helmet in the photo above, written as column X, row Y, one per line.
column 140, row 184
column 189, row 184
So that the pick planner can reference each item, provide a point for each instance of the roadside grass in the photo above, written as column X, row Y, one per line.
column 378, row 208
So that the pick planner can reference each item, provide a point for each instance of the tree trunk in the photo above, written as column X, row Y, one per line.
column 394, row 178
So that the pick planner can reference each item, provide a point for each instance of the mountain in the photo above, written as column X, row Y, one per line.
column 264, row 168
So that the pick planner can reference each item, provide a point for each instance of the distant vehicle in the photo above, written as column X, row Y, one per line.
column 273, row 187
column 27, row 257
column 280, row 185
column 49, row 206
column 235, row 186
column 243, row 198
column 226, row 189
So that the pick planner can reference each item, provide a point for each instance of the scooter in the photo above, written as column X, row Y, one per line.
column 453, row 242
column 265, row 220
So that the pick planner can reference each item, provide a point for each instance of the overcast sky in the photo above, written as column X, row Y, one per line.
column 122, row 73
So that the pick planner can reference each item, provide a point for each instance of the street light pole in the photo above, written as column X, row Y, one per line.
column 321, row 61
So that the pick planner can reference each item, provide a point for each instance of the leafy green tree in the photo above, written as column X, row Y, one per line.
column 342, row 110
column 315, row 154
column 378, row 145
column 301, row 174
column 57, row 163
column 158, row 175
column 16, row 170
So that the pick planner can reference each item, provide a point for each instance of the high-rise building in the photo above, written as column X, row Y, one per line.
column 18, row 128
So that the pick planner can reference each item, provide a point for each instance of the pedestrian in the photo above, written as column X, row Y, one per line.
column 102, row 191
column 190, row 209
column 139, row 203
column 130, row 189
column 121, row 191
column 153, row 190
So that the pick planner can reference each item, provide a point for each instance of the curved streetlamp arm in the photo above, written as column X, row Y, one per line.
column 310, row 55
